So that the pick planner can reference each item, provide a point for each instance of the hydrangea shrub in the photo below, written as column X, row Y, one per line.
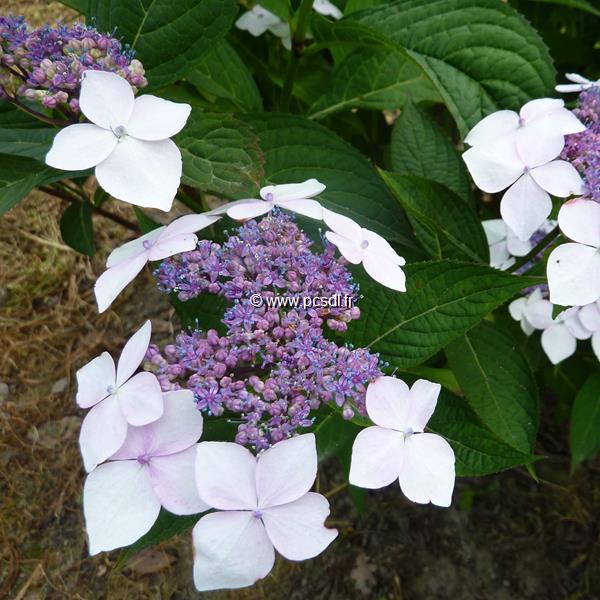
column 379, row 212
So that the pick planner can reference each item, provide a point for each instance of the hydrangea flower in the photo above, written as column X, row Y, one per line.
column 358, row 245
column 518, row 152
column 589, row 315
column 271, row 367
column 579, row 84
column 125, row 262
column 116, row 397
column 46, row 64
column 559, row 338
column 154, row 467
column 263, row 504
column 396, row 447
column 574, row 268
column 296, row 197
column 533, row 311
column 127, row 141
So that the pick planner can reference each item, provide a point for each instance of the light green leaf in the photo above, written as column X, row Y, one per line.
column 168, row 37
column 76, row 227
column 446, row 226
column 481, row 55
column 478, row 451
column 498, row 383
column 375, row 79
column 220, row 154
column 584, row 436
column 420, row 148
column 221, row 73
column 444, row 299
column 297, row 149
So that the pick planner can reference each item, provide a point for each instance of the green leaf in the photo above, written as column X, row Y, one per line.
column 443, row 300
column 481, row 55
column 420, row 148
column 585, row 421
column 335, row 436
column 374, row 79
column 583, row 5
column 446, row 226
column 80, row 6
column 297, row 149
column 498, row 383
column 281, row 8
column 169, row 37
column 167, row 525
column 223, row 74
column 478, row 451
column 221, row 155
column 146, row 223
column 202, row 312
column 76, row 227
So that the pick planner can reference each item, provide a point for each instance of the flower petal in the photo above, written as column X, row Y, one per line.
column 379, row 246
column 343, row 226
column 572, row 322
column 119, row 505
column 384, row 271
column 596, row 344
column 494, row 168
column 133, row 353
column 422, row 401
column 517, row 307
column 142, row 173
column 589, row 315
column 427, row 473
column 257, row 20
column 304, row 206
column 558, row 343
column 156, row 119
column 94, row 379
column 106, row 99
column 297, row 529
column 579, row 220
column 189, row 224
column 328, row 9
column 492, row 127
column 174, row 483
column 103, row 432
column 165, row 247
column 80, row 147
column 387, row 401
column 540, row 107
column 114, row 280
column 539, row 142
column 348, row 248
column 292, row 191
column 140, row 399
column 377, row 457
column 133, row 248
column 559, row 178
column 539, row 314
column 231, row 550
column 550, row 115
column 573, row 272
column 525, row 206
column 225, row 475
column 286, row 471
column 249, row 209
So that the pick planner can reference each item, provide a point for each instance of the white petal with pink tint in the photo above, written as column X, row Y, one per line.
column 292, row 191
column 249, row 209
column 156, row 118
column 225, row 476
column 387, row 402
column 559, row 178
column 134, row 247
column 305, row 207
column 119, row 505
column 348, row 249
column 231, row 550
column 133, row 353
column 297, row 529
column 494, row 168
column 95, row 379
column 579, row 220
column 140, row 399
column 384, row 272
column 422, row 400
column 492, row 127
column 558, row 343
column 287, row 470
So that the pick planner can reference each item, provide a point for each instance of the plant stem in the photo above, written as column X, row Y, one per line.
column 535, row 250
column 298, row 37
column 58, row 193
column 37, row 115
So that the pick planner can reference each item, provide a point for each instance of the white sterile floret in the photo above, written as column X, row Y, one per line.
column 396, row 447
column 358, row 245
column 127, row 141
column 574, row 268
column 533, row 312
column 126, row 261
column 559, row 340
column 579, row 84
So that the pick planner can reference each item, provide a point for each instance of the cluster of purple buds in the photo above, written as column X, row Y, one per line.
column 270, row 368
column 45, row 64
column 582, row 150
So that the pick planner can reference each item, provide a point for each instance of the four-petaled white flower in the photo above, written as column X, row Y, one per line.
column 258, row 20
column 296, row 197
column 126, row 261
column 518, row 152
column 533, row 312
column 589, row 315
column 397, row 447
column 573, row 269
column 263, row 503
column 559, row 338
column 116, row 399
column 127, row 141
column 358, row 245
column 327, row 9
column 153, row 468
column 579, row 84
